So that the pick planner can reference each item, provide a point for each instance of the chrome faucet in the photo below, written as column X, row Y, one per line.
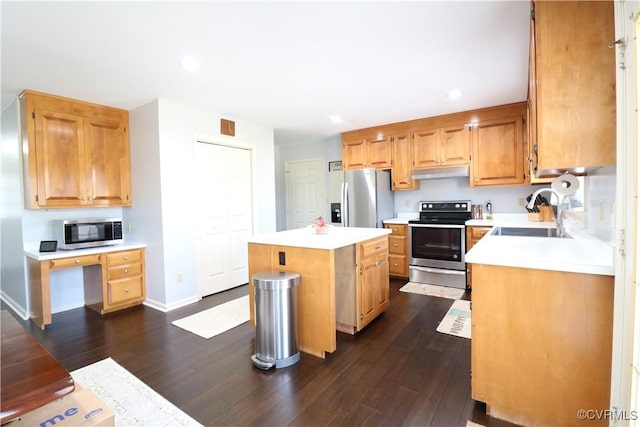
column 559, row 212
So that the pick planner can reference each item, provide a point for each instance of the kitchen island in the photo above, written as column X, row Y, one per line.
column 542, row 324
column 344, row 279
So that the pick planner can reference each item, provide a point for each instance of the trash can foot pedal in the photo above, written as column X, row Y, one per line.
column 261, row 364
column 288, row 361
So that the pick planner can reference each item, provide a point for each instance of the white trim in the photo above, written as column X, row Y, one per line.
column 625, row 213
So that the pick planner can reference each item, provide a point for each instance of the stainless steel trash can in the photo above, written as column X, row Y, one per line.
column 276, row 322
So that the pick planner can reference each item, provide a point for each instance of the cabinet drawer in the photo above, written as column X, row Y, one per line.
column 125, row 290
column 121, row 272
column 398, row 265
column 75, row 261
column 397, row 229
column 397, row 245
column 372, row 247
column 124, row 257
column 478, row 232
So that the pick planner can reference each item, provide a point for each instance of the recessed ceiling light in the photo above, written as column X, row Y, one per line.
column 335, row 119
column 454, row 94
column 190, row 63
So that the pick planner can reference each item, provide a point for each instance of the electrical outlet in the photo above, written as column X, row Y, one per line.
column 407, row 204
column 179, row 278
column 521, row 201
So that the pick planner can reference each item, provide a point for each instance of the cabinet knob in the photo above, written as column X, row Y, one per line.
column 84, row 199
column 126, row 271
column 395, row 264
column 126, row 258
column 395, row 245
column 90, row 198
column 77, row 261
column 126, row 289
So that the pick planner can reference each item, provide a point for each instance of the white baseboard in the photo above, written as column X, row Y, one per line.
column 157, row 305
column 17, row 308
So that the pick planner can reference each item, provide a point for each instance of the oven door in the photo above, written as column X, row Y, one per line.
column 437, row 245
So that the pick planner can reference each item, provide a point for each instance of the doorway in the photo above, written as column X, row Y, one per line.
column 224, row 215
column 306, row 191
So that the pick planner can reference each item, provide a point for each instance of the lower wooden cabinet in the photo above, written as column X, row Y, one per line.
column 474, row 234
column 398, row 250
column 117, row 283
column 373, row 280
column 541, row 347
column 125, row 280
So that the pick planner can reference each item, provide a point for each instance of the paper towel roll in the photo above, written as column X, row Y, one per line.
column 565, row 185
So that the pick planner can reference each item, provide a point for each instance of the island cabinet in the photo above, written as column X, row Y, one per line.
column 542, row 342
column 441, row 146
column 372, row 286
column 344, row 279
column 498, row 149
column 572, row 88
column 75, row 154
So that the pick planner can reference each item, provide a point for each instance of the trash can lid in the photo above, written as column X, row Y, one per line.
column 276, row 279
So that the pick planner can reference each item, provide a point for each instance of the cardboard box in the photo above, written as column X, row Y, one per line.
column 82, row 407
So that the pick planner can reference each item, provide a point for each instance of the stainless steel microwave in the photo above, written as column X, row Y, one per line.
column 87, row 233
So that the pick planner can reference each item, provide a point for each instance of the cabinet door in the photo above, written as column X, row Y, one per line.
column 379, row 152
column 402, row 163
column 575, row 85
column 354, row 154
column 60, row 159
column 498, row 152
column 454, row 146
column 425, row 148
column 108, row 171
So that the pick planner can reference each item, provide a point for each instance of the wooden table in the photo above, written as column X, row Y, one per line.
column 31, row 377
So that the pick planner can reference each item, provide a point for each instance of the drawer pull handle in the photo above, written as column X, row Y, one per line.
column 77, row 261
column 126, row 271
column 377, row 247
column 126, row 257
column 395, row 244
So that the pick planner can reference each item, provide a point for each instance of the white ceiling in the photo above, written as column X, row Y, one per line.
column 288, row 65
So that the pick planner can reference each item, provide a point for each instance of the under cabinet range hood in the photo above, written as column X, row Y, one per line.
column 440, row 173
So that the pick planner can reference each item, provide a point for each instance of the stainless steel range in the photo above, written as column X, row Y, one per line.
column 437, row 243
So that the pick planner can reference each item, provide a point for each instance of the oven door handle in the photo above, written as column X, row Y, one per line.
column 439, row 270
column 438, row 225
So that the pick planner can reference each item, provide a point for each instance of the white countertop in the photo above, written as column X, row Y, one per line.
column 402, row 218
column 583, row 253
column 336, row 237
column 43, row 256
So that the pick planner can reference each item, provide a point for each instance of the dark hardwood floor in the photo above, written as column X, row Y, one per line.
column 398, row 371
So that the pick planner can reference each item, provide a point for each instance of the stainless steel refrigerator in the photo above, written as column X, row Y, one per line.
column 366, row 198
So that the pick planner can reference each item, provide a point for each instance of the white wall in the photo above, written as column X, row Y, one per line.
column 163, row 168
column 12, row 277
column 329, row 149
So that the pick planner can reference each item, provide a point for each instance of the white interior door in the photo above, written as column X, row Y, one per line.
column 305, row 188
column 223, row 193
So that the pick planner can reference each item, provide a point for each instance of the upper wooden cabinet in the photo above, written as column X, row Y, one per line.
column 402, row 163
column 498, row 149
column 443, row 146
column 572, row 86
column 361, row 151
column 76, row 154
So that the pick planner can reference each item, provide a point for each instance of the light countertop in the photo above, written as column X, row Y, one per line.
column 43, row 256
column 582, row 253
column 402, row 218
column 336, row 237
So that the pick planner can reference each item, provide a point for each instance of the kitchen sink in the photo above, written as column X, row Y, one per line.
column 527, row 232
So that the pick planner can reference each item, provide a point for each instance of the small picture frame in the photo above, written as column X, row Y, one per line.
column 48, row 246
column 335, row 166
